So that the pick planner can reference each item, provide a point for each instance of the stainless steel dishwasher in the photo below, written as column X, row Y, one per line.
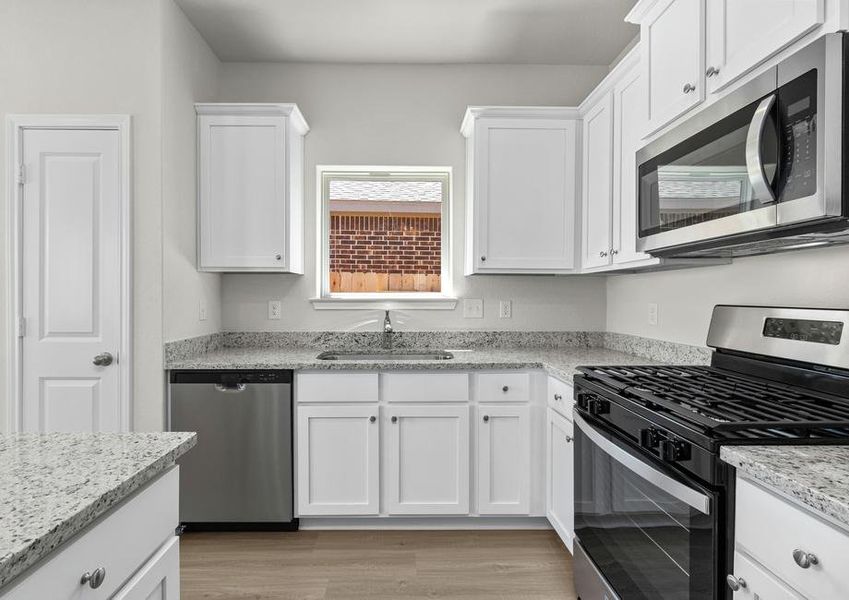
column 240, row 474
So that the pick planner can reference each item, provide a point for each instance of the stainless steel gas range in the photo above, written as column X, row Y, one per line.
column 654, row 515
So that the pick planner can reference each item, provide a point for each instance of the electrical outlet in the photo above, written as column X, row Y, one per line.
column 472, row 308
column 505, row 309
column 274, row 310
column 652, row 313
column 202, row 311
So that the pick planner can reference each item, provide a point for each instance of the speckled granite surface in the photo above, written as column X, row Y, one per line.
column 559, row 362
column 54, row 485
column 817, row 476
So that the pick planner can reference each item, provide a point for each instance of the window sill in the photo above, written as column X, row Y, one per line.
column 384, row 302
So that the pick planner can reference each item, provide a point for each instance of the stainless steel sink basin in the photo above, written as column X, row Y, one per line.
column 386, row 355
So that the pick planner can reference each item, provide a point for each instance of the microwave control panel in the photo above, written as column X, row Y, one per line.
column 797, row 106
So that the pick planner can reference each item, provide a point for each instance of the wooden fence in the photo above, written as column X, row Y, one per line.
column 341, row 281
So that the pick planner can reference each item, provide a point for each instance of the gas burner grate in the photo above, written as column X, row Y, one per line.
column 726, row 404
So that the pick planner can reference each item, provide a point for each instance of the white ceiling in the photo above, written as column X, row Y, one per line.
column 578, row 32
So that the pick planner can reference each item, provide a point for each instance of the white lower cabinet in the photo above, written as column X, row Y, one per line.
column 753, row 582
column 338, row 460
column 504, row 459
column 560, row 491
column 132, row 551
column 427, row 460
column 158, row 579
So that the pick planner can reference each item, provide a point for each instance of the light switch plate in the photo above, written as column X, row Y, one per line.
column 652, row 313
column 505, row 309
column 472, row 308
column 274, row 310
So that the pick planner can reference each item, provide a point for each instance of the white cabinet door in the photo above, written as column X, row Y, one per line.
column 158, row 579
column 743, row 33
column 673, row 59
column 629, row 123
column 524, row 195
column 242, row 182
column 597, row 182
column 760, row 583
column 338, row 460
column 427, row 460
column 560, row 469
column 504, row 459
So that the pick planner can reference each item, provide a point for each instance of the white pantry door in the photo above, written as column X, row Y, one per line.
column 71, row 279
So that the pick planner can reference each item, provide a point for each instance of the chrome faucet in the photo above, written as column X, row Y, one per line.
column 386, row 342
column 387, row 323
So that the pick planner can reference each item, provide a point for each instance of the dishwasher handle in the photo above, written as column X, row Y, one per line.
column 231, row 388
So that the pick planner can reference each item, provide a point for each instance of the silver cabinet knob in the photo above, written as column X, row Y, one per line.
column 568, row 438
column 278, row 257
column 394, row 419
column 486, row 418
column 94, row 579
column 689, row 87
column 558, row 397
column 602, row 254
column 372, row 419
column 735, row 583
column 805, row 559
column 104, row 359
column 505, row 389
column 711, row 71
column 483, row 258
column 614, row 252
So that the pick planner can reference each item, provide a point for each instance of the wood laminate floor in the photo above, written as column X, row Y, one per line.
column 376, row 565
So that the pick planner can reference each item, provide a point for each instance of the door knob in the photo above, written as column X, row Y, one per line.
column 104, row 359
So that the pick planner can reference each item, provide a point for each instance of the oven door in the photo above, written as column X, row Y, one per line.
column 648, row 534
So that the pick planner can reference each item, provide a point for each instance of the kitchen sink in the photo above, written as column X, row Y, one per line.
column 386, row 355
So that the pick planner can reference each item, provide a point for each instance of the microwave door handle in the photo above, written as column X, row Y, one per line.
column 754, row 160
column 674, row 488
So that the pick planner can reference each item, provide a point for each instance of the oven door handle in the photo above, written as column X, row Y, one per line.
column 674, row 488
column 754, row 160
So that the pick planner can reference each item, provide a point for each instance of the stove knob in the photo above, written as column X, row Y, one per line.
column 583, row 399
column 649, row 438
column 598, row 406
column 674, row 450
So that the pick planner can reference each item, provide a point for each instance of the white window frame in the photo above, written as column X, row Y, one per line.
column 325, row 299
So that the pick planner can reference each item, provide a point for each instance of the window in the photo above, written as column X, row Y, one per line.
column 384, row 232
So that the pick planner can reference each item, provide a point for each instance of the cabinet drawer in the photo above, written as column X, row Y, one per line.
column 504, row 387
column 120, row 543
column 561, row 397
column 759, row 583
column 791, row 527
column 336, row 387
column 426, row 387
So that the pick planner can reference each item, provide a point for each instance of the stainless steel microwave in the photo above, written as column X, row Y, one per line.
column 763, row 169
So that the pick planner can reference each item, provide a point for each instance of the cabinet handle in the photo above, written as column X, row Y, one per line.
column 394, row 419
column 94, row 579
column 711, row 71
column 805, row 559
column 278, row 257
column 558, row 397
column 483, row 258
column 735, row 583
column 372, row 419
column 614, row 252
column 568, row 438
column 486, row 418
column 689, row 87
column 602, row 254
column 505, row 389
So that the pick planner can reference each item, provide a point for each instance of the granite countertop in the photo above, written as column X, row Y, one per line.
column 54, row 485
column 817, row 476
column 560, row 362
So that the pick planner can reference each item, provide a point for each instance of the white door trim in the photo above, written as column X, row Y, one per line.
column 15, row 126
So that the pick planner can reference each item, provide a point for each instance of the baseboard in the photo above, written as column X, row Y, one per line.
column 435, row 523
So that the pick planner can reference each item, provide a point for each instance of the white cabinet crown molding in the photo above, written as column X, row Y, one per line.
column 640, row 10
column 257, row 109
column 616, row 74
column 515, row 112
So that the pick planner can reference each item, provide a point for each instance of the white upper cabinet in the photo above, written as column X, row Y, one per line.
column 597, row 182
column 743, row 33
column 250, row 187
column 672, row 36
column 521, row 188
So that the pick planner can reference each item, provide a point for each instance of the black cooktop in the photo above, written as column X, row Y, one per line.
column 727, row 406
